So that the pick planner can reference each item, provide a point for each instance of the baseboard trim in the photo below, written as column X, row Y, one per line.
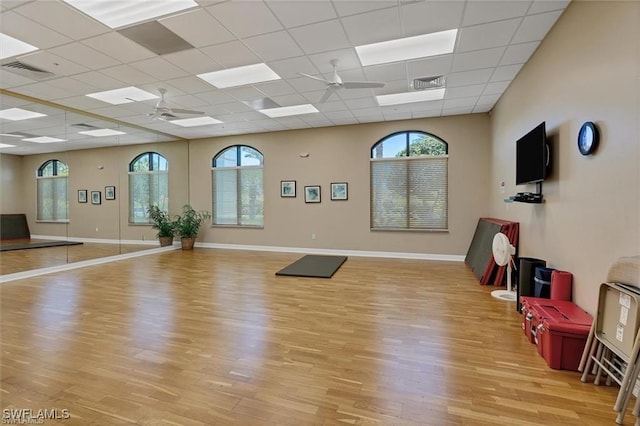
column 335, row 252
column 82, row 264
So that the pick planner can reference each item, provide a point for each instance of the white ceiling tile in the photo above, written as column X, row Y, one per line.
column 235, row 107
column 535, row 27
column 81, row 54
column 397, row 86
column 129, row 76
column 432, row 16
column 118, row 47
column 333, row 104
column 519, row 53
column 486, row 36
column 72, row 86
column 296, row 13
column 480, row 12
column 244, row 93
column 273, row 46
column 275, row 88
column 367, row 102
column 287, row 68
column 366, row 112
column 62, row 18
column 456, row 110
column 488, row 99
column 320, row 37
column 215, row 97
column 42, row 91
column 289, row 100
column 505, row 73
column 344, row 121
column 346, row 94
column 478, row 59
column 192, row 61
column 390, row 115
column 467, row 78
column 190, row 84
column 84, row 103
column 496, row 88
column 197, row 27
column 99, row 80
column 464, row 91
column 52, row 63
column 245, row 19
column 427, row 106
column 31, row 32
column 460, row 102
column 386, row 72
column 159, row 68
column 385, row 21
column 347, row 59
column 540, row 6
column 9, row 80
column 439, row 65
column 351, row 7
column 231, row 54
column 333, row 115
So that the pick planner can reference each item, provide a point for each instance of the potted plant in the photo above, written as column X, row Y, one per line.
column 163, row 223
column 188, row 225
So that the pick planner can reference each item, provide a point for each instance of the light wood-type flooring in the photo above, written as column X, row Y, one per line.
column 213, row 337
column 28, row 259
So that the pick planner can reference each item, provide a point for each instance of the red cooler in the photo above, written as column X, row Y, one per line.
column 532, row 314
column 563, row 333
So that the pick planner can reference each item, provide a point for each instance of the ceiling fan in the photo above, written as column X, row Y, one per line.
column 163, row 111
column 336, row 83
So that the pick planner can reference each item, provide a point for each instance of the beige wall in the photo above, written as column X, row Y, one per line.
column 587, row 69
column 11, row 177
column 341, row 154
column 93, row 170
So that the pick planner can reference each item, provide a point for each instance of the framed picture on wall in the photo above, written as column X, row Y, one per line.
column 82, row 195
column 109, row 192
column 96, row 197
column 339, row 191
column 312, row 194
column 287, row 188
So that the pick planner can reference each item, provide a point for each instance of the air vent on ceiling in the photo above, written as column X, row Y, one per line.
column 28, row 71
column 432, row 82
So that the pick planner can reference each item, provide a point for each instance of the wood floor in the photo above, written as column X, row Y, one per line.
column 26, row 260
column 213, row 337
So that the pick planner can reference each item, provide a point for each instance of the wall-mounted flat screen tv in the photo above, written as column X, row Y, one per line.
column 532, row 155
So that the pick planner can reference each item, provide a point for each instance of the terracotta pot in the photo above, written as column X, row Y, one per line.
column 187, row 243
column 165, row 241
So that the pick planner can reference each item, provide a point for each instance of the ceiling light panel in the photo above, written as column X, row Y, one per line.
column 197, row 121
column 116, row 14
column 410, row 97
column 421, row 46
column 10, row 46
column 17, row 114
column 290, row 110
column 102, row 132
column 44, row 139
column 123, row 96
column 240, row 76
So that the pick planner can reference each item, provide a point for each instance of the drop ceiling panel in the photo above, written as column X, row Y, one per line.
column 242, row 22
column 99, row 81
column 31, row 32
column 81, row 54
column 231, row 54
column 519, row 53
column 198, row 27
column 438, row 65
column 320, row 37
column 347, row 59
column 478, row 59
column 387, row 72
column 506, row 73
column 540, row 6
column 275, row 88
column 118, row 47
column 192, row 85
column 467, row 78
column 128, row 75
column 535, row 27
column 62, row 18
column 9, row 80
column 428, row 17
column 192, row 61
column 53, row 63
column 481, row 12
column 288, row 68
column 159, row 68
column 296, row 13
column 351, row 7
column 273, row 46
column 486, row 36
column 465, row 91
column 496, row 88
column 385, row 21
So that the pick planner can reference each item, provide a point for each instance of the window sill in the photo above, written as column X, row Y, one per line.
column 53, row 221
column 238, row 226
column 407, row 230
column 139, row 224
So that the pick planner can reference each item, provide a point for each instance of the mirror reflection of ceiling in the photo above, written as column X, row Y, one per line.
column 25, row 136
column 76, row 55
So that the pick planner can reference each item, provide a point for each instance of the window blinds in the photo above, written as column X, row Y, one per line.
column 53, row 204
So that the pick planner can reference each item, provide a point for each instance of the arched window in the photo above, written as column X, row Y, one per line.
column 148, row 185
column 237, row 185
column 409, row 182
column 52, row 201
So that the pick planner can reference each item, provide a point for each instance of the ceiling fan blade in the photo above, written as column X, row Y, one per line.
column 327, row 94
column 362, row 84
column 316, row 78
column 186, row 111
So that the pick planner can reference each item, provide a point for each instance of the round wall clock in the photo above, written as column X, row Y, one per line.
column 588, row 138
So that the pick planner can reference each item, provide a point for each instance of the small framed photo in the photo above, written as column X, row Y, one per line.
column 339, row 191
column 287, row 188
column 96, row 197
column 109, row 192
column 82, row 195
column 312, row 194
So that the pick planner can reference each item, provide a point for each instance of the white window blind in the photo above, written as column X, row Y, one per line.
column 409, row 193
column 238, row 196
column 147, row 189
column 53, row 202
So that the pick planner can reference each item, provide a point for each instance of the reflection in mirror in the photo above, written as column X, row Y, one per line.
column 65, row 184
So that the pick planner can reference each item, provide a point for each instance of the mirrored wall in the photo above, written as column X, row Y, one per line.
column 69, row 174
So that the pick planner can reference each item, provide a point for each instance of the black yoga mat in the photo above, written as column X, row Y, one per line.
column 314, row 266
column 42, row 244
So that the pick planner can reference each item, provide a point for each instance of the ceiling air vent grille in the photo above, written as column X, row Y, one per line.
column 433, row 82
column 28, row 71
